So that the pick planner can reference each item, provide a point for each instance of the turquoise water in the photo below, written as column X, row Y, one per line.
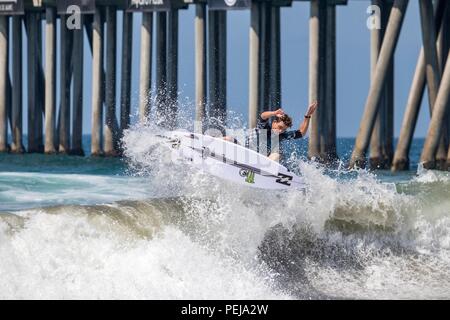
column 139, row 227
column 34, row 180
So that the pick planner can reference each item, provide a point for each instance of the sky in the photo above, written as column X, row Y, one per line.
column 353, row 64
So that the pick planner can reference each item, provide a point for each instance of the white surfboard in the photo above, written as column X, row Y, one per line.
column 231, row 161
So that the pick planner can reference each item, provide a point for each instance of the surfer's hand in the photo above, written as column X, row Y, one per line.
column 278, row 113
column 312, row 108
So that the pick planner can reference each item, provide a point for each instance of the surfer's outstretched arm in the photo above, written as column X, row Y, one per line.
column 305, row 124
column 269, row 114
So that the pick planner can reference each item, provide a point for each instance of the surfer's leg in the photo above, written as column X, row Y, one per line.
column 275, row 156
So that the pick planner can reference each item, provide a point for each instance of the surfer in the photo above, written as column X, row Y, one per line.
column 267, row 135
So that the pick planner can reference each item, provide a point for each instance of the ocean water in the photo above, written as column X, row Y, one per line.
column 144, row 228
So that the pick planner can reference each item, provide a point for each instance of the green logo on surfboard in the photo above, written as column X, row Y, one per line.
column 248, row 174
column 250, row 177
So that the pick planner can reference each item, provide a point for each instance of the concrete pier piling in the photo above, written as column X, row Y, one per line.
column 97, row 84
column 381, row 143
column 319, row 120
column 433, row 76
column 9, row 103
column 172, row 69
column 145, row 66
column 275, row 58
column 50, row 80
column 447, row 45
column 4, row 77
column 443, row 47
column 111, row 125
column 328, row 150
column 437, row 122
column 401, row 156
column 200, row 64
column 40, row 110
column 161, row 68
column 32, row 80
column 317, row 27
column 265, row 74
column 77, row 94
column 376, row 88
column 66, row 40
column 220, row 112
column 436, row 157
column 16, row 99
column 217, row 69
column 125, row 84
column 254, row 63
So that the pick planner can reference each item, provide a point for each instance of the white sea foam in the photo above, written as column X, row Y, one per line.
column 430, row 176
column 68, row 256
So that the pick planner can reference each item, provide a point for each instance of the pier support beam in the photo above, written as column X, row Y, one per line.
column 254, row 62
column 125, row 85
column 161, row 68
column 441, row 42
column 17, row 145
column 217, row 69
column 265, row 51
column 146, row 66
column 50, row 80
column 429, row 37
column 97, row 84
column 9, row 101
column 442, row 45
column 389, row 133
column 77, row 124
column 111, row 126
column 381, row 143
column 401, row 156
column 66, row 40
column 172, row 69
column 220, row 112
column 317, row 25
column 437, row 120
column 384, row 61
column 33, row 92
column 40, row 110
column 275, row 59
column 328, row 150
column 433, row 77
column 4, row 77
column 200, row 65
column 447, row 42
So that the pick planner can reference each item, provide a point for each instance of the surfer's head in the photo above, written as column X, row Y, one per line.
column 281, row 124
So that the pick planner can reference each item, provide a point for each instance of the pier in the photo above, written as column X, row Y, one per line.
column 54, row 124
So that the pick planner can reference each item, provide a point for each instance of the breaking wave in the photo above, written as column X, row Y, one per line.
column 181, row 234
